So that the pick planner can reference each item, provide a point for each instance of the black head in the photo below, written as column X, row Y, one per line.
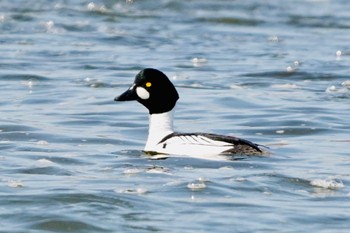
column 153, row 89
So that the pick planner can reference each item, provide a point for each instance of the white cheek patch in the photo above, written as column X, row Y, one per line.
column 142, row 93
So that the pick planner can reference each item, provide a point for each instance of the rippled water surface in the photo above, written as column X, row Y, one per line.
column 274, row 72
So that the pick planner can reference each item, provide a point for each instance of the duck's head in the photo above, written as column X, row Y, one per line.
column 153, row 89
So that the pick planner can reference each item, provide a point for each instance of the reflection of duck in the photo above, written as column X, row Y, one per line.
column 153, row 89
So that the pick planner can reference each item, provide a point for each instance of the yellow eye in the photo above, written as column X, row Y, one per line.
column 148, row 84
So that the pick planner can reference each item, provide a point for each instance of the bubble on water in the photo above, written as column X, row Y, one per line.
column 29, row 83
column 180, row 77
column 44, row 163
column 196, row 185
column 203, row 179
column 14, row 184
column 196, row 85
column 281, row 131
column 42, row 143
column 5, row 141
column 50, row 27
column 236, row 87
column 285, row 86
column 334, row 89
column 346, row 84
column 274, row 39
column 138, row 191
column 197, row 61
column 331, row 89
column 229, row 168
column 199, row 184
column 173, row 183
column 294, row 66
column 297, row 63
column 239, row 179
column 290, row 69
column 327, row 183
column 343, row 89
column 131, row 171
column 49, row 24
column 338, row 53
column 58, row 6
column 157, row 170
column 91, row 6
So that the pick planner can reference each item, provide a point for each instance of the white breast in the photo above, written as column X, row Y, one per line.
column 193, row 145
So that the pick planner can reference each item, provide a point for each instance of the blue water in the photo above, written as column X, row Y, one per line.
column 273, row 72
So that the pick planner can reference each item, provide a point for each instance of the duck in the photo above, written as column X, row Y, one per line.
column 154, row 90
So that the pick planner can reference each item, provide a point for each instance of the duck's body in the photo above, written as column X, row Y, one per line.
column 163, row 139
column 154, row 90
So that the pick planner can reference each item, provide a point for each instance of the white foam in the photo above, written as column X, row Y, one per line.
column 346, row 84
column 132, row 191
column 334, row 89
column 281, row 131
column 131, row 171
column 274, row 39
column 42, row 143
column 14, row 184
column 196, row 186
column 327, row 183
column 5, row 141
column 239, row 179
column 97, row 8
column 338, row 53
column 49, row 24
column 236, row 87
column 173, row 183
column 228, row 168
column 45, row 163
column 290, row 69
column 29, row 83
column 285, row 86
column 197, row 62
column 296, row 63
column 157, row 170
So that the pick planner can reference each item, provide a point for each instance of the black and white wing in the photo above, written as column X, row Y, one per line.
column 211, row 142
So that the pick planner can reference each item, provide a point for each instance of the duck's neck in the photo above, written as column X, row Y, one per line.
column 160, row 125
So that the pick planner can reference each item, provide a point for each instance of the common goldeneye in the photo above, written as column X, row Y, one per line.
column 154, row 90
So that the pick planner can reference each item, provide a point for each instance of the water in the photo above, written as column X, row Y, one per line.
column 273, row 72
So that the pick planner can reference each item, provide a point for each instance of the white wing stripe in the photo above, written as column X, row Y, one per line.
column 196, row 140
